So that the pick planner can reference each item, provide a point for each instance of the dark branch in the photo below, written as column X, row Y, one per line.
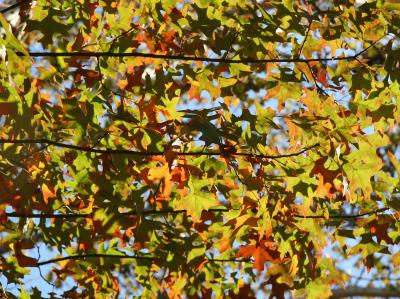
column 93, row 255
column 124, row 256
column 11, row 7
column 190, row 58
column 136, row 153
column 169, row 211
column 365, row 292
column 130, row 213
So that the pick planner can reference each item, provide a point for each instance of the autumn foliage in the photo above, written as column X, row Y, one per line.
column 198, row 149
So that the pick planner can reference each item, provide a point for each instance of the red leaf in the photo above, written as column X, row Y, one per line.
column 3, row 216
column 322, row 77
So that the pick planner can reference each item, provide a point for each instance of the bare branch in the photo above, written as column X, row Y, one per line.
column 365, row 292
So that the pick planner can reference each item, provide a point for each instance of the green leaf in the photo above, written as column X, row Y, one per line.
column 198, row 199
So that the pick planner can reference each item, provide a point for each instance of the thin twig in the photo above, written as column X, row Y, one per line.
column 305, row 37
column 352, row 216
column 319, row 88
column 11, row 7
column 40, row 270
column 118, row 37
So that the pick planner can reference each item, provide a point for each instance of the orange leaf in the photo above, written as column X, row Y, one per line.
column 264, row 251
column 225, row 244
column 45, row 97
column 260, row 257
column 47, row 193
column 122, row 84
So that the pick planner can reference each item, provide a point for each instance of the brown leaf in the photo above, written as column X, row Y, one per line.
column 245, row 291
column 380, row 230
column 326, row 177
column 278, row 289
column 8, row 108
column 23, row 260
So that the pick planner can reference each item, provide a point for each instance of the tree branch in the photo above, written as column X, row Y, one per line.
column 365, row 292
column 136, row 153
column 170, row 211
column 94, row 255
column 90, row 215
column 83, row 54
column 124, row 256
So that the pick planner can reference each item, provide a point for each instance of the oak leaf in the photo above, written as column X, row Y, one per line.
column 262, row 252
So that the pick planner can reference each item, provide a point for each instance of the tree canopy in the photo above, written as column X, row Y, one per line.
column 198, row 149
